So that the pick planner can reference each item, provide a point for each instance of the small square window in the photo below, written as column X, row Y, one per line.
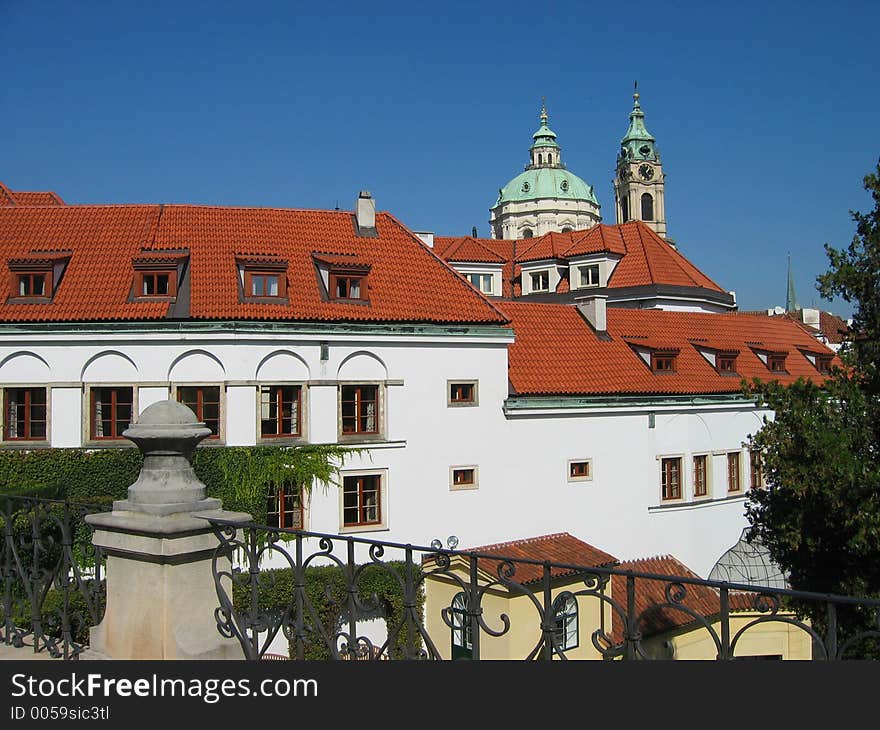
column 776, row 363
column 265, row 284
column 463, row 477
column 823, row 364
column 461, row 392
column 540, row 281
column 580, row 470
column 32, row 284
column 588, row 275
column 483, row 282
column 346, row 286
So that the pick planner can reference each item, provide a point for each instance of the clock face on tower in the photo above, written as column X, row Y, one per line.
column 646, row 171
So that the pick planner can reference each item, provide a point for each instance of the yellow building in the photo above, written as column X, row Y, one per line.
column 587, row 607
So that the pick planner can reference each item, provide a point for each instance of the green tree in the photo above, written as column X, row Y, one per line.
column 820, row 516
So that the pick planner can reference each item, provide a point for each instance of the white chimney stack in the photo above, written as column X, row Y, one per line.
column 810, row 317
column 365, row 214
column 593, row 309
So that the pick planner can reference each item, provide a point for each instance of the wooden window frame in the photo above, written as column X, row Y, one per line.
column 141, row 275
column 30, row 274
column 823, row 364
column 659, row 360
column 776, row 363
column 725, row 358
column 28, row 419
column 455, row 471
column 734, row 472
column 575, row 464
column 453, row 401
column 278, row 498
column 666, row 486
column 359, row 402
column 256, row 273
column 701, row 489
column 200, row 406
column 297, row 400
column 116, row 436
column 756, row 469
column 355, row 481
column 337, row 275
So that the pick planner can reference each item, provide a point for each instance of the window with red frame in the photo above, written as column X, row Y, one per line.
column 757, row 469
column 346, row 286
column 34, row 284
column 157, row 283
column 670, row 478
column 280, row 410
column 701, row 480
column 111, row 410
column 265, row 284
column 284, row 507
column 24, row 414
column 776, row 363
column 733, row 472
column 462, row 392
column 360, row 409
column 204, row 401
column 462, row 477
column 663, row 362
column 362, row 500
column 726, row 363
column 823, row 364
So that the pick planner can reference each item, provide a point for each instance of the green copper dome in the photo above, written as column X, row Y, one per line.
column 544, row 137
column 638, row 143
column 546, row 182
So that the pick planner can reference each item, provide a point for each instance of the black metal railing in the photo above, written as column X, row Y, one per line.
column 52, row 576
column 459, row 604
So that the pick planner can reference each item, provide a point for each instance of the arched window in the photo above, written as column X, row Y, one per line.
column 566, row 230
column 527, row 233
column 540, row 158
column 549, row 159
column 462, row 645
column 565, row 618
column 624, row 209
column 647, row 207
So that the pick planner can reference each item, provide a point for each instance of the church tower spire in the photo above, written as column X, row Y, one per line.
column 545, row 151
column 791, row 304
column 639, row 182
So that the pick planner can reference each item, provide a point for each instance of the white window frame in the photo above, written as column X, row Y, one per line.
column 483, row 277
column 595, row 267
column 538, row 273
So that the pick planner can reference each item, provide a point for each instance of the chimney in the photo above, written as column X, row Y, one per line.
column 592, row 308
column 365, row 215
column 810, row 317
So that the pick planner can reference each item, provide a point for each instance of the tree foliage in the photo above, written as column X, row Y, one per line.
column 820, row 516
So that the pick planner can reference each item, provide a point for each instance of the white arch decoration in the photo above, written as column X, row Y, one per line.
column 281, row 366
column 362, row 365
column 109, row 367
column 196, row 366
column 24, row 367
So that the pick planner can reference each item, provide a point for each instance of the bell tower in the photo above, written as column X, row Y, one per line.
column 639, row 178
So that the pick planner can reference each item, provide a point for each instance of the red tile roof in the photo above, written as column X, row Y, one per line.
column 560, row 547
column 650, row 594
column 16, row 197
column 556, row 352
column 646, row 258
column 408, row 283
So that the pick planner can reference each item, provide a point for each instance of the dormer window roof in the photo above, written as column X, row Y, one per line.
column 35, row 279
column 345, row 277
column 157, row 275
column 664, row 361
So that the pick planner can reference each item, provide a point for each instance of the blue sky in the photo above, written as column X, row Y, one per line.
column 765, row 113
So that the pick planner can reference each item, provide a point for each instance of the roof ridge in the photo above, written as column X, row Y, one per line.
column 524, row 541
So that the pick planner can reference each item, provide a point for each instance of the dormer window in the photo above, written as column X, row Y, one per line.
column 345, row 286
column 157, row 275
column 540, row 281
column 263, row 279
column 663, row 361
column 35, row 278
column 345, row 277
column 588, row 275
column 725, row 363
column 776, row 362
column 823, row 364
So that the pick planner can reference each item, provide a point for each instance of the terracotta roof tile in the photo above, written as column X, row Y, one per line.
column 560, row 547
column 556, row 352
column 408, row 282
column 37, row 198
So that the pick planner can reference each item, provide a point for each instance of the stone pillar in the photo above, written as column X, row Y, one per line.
column 160, row 581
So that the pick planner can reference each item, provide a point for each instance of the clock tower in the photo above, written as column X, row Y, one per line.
column 639, row 178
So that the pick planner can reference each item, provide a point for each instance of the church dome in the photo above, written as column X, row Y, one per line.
column 546, row 182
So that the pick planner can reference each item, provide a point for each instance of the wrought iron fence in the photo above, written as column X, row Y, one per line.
column 460, row 604
column 52, row 576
